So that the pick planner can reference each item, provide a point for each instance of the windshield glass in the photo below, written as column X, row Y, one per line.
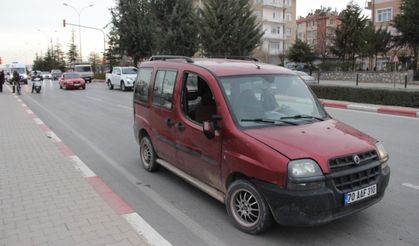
column 71, row 75
column 129, row 70
column 82, row 69
column 265, row 99
column 19, row 70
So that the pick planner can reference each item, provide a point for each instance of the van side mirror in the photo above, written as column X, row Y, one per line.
column 208, row 128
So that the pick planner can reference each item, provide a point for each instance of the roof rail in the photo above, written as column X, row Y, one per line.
column 170, row 57
column 245, row 58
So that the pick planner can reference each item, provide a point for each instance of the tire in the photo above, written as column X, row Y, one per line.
column 84, row 87
column 148, row 155
column 123, row 86
column 243, row 196
column 110, row 85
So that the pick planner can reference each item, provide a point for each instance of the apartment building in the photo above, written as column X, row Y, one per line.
column 318, row 30
column 383, row 12
column 277, row 18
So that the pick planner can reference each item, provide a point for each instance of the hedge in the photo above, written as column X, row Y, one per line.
column 382, row 96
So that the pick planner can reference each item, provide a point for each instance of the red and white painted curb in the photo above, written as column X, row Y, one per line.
column 111, row 198
column 411, row 112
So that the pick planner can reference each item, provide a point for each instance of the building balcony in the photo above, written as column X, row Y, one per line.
column 277, row 36
column 274, row 20
column 273, row 3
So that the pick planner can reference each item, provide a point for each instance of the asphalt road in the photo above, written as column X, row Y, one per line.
column 97, row 125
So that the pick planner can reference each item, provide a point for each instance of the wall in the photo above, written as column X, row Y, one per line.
column 378, row 77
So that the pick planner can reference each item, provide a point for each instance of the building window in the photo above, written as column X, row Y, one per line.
column 384, row 15
column 288, row 31
column 288, row 17
column 331, row 22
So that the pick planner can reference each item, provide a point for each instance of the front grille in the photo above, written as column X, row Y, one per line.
column 346, row 162
column 358, row 180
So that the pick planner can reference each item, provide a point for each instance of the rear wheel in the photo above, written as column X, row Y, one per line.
column 110, row 85
column 148, row 155
column 247, row 208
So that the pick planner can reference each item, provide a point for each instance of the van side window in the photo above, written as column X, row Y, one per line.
column 142, row 84
column 163, row 88
column 197, row 101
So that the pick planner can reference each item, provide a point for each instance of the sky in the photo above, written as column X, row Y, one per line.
column 27, row 26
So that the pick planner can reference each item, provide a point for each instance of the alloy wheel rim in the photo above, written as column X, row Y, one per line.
column 245, row 208
column 146, row 154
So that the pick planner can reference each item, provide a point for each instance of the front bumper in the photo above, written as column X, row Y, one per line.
column 315, row 207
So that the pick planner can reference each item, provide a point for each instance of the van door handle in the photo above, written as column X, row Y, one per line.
column 170, row 122
column 180, row 126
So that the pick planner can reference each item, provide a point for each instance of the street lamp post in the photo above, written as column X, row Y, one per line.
column 79, row 12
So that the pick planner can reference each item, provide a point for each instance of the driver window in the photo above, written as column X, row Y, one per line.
column 197, row 101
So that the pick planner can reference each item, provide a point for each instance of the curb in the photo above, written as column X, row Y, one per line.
column 399, row 111
column 118, row 205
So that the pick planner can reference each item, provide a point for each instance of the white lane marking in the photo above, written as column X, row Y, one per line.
column 177, row 214
column 95, row 99
column 416, row 187
column 85, row 171
column 124, row 107
column 29, row 111
column 24, row 105
column 145, row 230
column 38, row 121
column 19, row 100
column 362, row 107
column 374, row 113
column 53, row 137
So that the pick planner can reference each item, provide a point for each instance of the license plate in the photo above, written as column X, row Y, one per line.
column 360, row 194
column 76, row 85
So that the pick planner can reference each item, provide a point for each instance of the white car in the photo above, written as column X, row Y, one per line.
column 46, row 75
column 306, row 78
column 122, row 77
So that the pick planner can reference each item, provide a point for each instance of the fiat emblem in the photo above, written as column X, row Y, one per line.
column 357, row 160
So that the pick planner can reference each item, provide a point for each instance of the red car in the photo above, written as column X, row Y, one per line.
column 71, row 81
column 256, row 138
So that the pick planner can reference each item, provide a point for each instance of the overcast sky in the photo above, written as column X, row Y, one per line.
column 27, row 26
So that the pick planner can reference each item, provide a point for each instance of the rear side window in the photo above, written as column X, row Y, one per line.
column 163, row 88
column 142, row 84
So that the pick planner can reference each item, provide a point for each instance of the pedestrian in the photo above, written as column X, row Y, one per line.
column 15, row 80
column 1, row 80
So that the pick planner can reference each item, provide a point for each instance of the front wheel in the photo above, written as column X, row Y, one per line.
column 247, row 207
column 148, row 155
column 123, row 86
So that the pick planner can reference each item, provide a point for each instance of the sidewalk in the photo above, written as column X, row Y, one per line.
column 44, row 200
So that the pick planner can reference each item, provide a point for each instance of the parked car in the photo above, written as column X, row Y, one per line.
column 122, row 77
column 306, row 78
column 56, row 74
column 46, row 75
column 71, row 80
column 254, row 137
column 85, row 70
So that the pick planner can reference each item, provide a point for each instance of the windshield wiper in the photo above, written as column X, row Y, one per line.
column 302, row 116
column 270, row 121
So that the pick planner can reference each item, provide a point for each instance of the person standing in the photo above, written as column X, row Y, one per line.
column 15, row 80
column 1, row 80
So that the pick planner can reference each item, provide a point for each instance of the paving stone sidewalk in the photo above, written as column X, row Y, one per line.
column 43, row 199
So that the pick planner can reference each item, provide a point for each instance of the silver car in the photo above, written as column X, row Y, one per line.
column 306, row 78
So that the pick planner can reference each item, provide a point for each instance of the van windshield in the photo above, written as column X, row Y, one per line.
column 19, row 70
column 268, row 99
column 83, row 69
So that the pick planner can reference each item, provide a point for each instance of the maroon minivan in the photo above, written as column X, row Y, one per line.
column 256, row 138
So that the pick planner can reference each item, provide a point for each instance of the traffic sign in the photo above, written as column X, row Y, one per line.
column 396, row 59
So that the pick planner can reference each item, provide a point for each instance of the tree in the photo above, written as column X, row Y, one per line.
column 408, row 25
column 228, row 28
column 176, row 27
column 72, row 53
column 94, row 60
column 301, row 52
column 135, row 28
column 349, row 35
column 114, row 52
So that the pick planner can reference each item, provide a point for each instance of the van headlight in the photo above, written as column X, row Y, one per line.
column 382, row 154
column 304, row 174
